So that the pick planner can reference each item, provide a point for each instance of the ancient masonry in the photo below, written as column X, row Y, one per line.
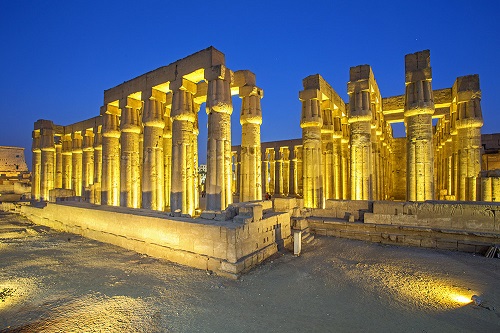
column 142, row 150
column 147, row 132
column 348, row 152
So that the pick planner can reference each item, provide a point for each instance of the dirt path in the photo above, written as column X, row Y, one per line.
column 57, row 282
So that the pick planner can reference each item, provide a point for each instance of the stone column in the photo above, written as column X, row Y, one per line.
column 167, row 152
column 337, row 157
column 58, row 163
column 469, row 122
column 419, row 108
column 345, row 160
column 194, row 144
column 360, row 117
column 110, row 184
column 96, row 193
column 67, row 161
column 130, row 178
column 327, row 148
column 183, row 115
column 285, row 170
column 77, row 174
column 219, row 110
column 250, row 156
column 36, row 164
column 88, row 160
column 153, row 168
column 47, row 159
column 311, row 123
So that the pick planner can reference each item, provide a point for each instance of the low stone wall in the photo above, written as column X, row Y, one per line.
column 227, row 247
column 345, row 209
column 462, row 226
column 455, row 240
column 464, row 216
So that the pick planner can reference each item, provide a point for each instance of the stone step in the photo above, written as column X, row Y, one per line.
column 307, row 238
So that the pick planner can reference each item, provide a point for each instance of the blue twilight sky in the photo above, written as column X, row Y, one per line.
column 57, row 57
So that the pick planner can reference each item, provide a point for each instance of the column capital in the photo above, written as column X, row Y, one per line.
column 218, row 72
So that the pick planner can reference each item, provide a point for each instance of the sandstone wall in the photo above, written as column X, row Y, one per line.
column 225, row 247
column 462, row 226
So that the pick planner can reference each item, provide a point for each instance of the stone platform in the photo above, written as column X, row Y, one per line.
column 227, row 243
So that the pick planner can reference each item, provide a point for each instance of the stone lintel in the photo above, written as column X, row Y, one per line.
column 203, row 59
column 316, row 81
column 183, row 84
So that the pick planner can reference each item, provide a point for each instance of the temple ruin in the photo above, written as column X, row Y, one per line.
column 348, row 176
column 348, row 152
column 142, row 150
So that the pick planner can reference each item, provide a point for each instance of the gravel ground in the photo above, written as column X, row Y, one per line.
column 59, row 282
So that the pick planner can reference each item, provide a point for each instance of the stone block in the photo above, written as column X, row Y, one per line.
column 284, row 204
column 465, row 247
column 322, row 232
column 447, row 244
column 412, row 241
column 208, row 215
column 388, row 208
column 203, row 246
column 299, row 223
column 428, row 242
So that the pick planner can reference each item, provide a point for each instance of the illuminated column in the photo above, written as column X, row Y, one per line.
column 77, row 163
column 345, row 160
column 469, row 123
column 47, row 159
column 36, row 164
column 327, row 148
column 130, row 178
column 336, row 174
column 110, row 184
column 298, row 171
column 153, row 167
column 67, row 161
column 167, row 152
column 311, row 123
column 58, row 163
column 419, row 108
column 88, row 159
column 250, row 156
column 183, row 115
column 96, row 199
column 285, row 171
column 360, row 117
column 194, row 144
column 219, row 109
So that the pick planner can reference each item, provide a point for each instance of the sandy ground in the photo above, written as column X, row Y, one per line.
column 57, row 282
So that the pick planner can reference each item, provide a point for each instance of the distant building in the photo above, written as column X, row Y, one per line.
column 15, row 179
